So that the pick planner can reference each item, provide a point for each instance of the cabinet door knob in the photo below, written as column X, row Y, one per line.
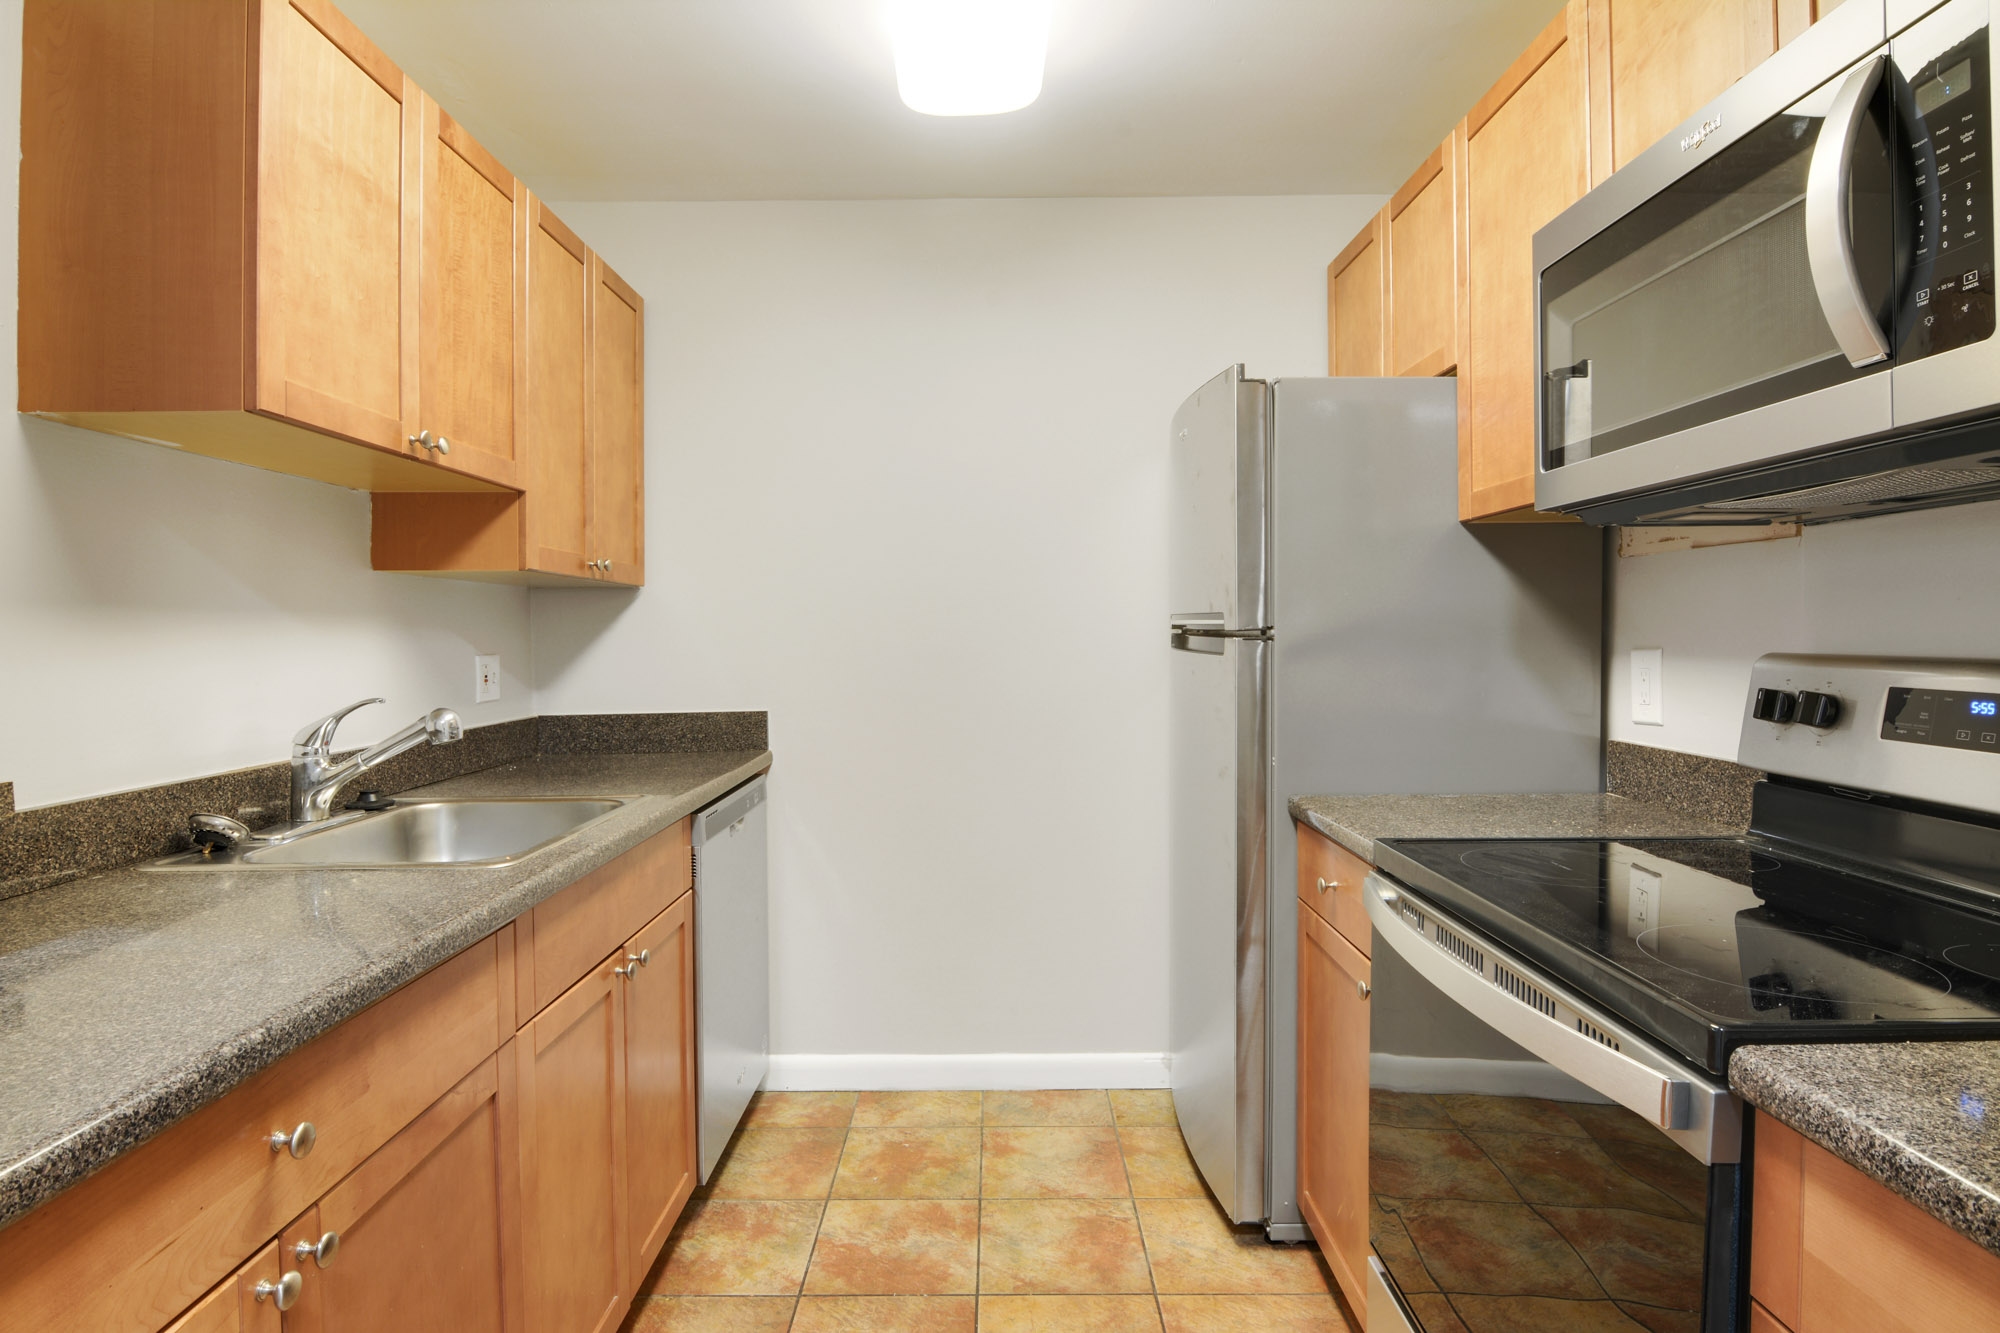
column 1325, row 883
column 627, row 971
column 284, row 1293
column 1361, row 990
column 423, row 438
column 643, row 957
column 322, row 1253
column 298, row 1143
column 443, row 445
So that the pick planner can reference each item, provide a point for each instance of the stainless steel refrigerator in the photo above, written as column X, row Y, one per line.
column 1335, row 629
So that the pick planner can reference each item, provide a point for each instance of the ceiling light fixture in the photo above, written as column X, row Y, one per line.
column 969, row 57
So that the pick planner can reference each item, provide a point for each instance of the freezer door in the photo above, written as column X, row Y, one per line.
column 1219, row 729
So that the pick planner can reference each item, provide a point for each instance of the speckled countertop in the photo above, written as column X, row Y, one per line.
column 131, row 998
column 1356, row 822
column 1921, row 1117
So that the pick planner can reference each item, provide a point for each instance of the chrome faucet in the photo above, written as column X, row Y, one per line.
column 315, row 777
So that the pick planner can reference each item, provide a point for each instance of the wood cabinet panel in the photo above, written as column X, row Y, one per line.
column 396, row 1266
column 617, row 426
column 130, row 1247
column 233, row 1306
column 568, row 935
column 558, row 403
column 1762, row 1321
column 1333, row 1101
column 1527, row 158
column 1665, row 59
column 1331, row 879
column 659, row 1078
column 473, row 303
column 1357, row 303
column 1423, row 269
column 1774, row 1222
column 572, row 1127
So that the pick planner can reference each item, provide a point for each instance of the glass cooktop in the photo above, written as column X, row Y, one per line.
column 1707, row 944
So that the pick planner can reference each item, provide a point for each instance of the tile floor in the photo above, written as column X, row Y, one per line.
column 941, row 1212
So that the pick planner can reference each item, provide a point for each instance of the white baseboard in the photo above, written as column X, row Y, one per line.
column 1493, row 1078
column 902, row 1073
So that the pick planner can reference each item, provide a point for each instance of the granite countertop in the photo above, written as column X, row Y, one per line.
column 1914, row 1115
column 1357, row 822
column 132, row 998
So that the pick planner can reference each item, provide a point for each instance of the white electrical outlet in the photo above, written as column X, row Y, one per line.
column 485, row 677
column 1642, row 898
column 1646, row 709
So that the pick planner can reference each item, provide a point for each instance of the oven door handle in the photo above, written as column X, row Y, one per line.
column 1551, row 1022
column 1829, row 242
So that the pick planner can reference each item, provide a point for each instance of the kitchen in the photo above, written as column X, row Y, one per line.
column 853, row 503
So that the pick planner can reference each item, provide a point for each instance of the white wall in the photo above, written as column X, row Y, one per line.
column 165, row 615
column 905, row 489
column 1913, row 585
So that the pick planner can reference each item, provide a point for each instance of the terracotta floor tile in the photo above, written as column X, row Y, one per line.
column 1193, row 1249
column 931, row 1110
column 909, row 1164
column 1060, row 1246
column 1511, row 1115
column 1615, row 1122
column 896, row 1247
column 886, row 1314
column 711, row 1314
column 1068, row 1314
column 728, row 1248
column 800, row 1110
column 1539, row 1314
column 1253, row 1314
column 1574, row 1173
column 1655, row 1260
column 1662, row 1321
column 1065, row 1162
column 777, row 1164
column 1502, row 1249
column 1440, row 1164
column 1436, row 1312
column 1143, row 1106
column 1158, row 1165
column 1408, row 1110
column 1666, row 1168
column 1062, row 1107
column 1393, row 1246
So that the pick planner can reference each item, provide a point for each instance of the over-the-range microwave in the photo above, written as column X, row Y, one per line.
column 1785, row 308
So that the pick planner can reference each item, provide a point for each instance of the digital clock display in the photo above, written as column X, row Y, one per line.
column 1984, row 707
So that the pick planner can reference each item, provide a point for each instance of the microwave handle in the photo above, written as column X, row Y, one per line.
column 1829, row 247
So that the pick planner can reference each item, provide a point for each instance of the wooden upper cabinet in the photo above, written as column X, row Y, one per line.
column 1423, row 268
column 1526, row 157
column 471, row 331
column 557, row 514
column 1795, row 16
column 617, row 426
column 1357, row 299
column 659, row 1078
column 1333, row 1100
column 1654, row 63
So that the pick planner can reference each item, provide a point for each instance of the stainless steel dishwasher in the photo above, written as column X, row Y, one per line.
column 732, row 962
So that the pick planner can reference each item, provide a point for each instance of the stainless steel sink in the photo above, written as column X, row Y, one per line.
column 420, row 833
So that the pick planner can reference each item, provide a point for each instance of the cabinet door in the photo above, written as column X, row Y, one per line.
column 336, row 262
column 395, row 1265
column 571, row 1063
column 1356, row 301
column 557, row 448
column 473, row 304
column 659, row 1078
column 1526, row 159
column 234, row 1307
column 1662, row 60
column 1423, row 268
column 1333, row 1101
column 617, row 426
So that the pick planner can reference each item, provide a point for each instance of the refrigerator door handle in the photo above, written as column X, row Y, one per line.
column 1203, row 632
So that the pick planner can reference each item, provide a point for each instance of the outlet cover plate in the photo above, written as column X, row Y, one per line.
column 485, row 677
column 1646, row 684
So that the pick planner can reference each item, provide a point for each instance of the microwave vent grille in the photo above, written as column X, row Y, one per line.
column 1884, row 487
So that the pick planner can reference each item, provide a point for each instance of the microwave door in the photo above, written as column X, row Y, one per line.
column 1947, row 359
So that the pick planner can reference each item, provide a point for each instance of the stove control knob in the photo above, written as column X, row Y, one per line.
column 1780, row 706
column 1818, row 710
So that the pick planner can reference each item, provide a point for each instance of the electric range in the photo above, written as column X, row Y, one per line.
column 1551, row 1019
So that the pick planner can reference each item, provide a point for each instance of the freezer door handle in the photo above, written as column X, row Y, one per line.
column 1204, row 631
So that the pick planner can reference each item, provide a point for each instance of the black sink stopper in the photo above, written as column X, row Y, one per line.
column 370, row 800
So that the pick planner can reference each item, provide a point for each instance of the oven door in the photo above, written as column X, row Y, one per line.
column 1534, row 1163
column 1708, row 308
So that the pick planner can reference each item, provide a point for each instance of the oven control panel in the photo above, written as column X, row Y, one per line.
column 1925, row 729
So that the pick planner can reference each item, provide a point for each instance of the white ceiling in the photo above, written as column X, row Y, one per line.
column 796, row 99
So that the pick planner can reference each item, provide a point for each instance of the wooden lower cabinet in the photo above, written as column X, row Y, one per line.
column 1832, row 1251
column 659, row 1079
column 1333, row 1100
column 234, row 1306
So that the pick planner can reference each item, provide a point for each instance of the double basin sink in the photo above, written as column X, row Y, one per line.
column 416, row 833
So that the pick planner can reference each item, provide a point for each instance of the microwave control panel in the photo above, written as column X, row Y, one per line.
column 1950, row 303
